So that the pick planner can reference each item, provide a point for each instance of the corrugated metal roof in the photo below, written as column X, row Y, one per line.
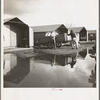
column 91, row 31
column 76, row 29
column 46, row 28
column 14, row 20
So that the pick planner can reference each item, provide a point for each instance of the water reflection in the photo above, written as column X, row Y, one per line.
column 83, row 53
column 62, row 60
column 15, row 69
column 71, row 70
column 10, row 61
column 92, row 78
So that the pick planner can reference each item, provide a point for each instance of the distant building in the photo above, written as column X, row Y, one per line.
column 17, row 34
column 93, row 32
column 81, row 32
column 43, row 34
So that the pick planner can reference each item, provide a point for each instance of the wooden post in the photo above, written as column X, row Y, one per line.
column 54, row 42
column 31, row 37
column 87, row 36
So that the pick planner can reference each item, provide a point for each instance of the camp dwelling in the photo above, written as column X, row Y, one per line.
column 17, row 34
column 93, row 32
column 81, row 33
column 44, row 34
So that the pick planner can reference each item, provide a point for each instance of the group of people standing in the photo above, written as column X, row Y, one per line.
column 74, row 39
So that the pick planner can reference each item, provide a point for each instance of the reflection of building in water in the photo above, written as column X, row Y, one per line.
column 10, row 61
column 92, row 78
column 16, row 70
column 62, row 60
column 67, row 59
column 91, row 51
column 86, row 51
column 83, row 53
column 46, row 59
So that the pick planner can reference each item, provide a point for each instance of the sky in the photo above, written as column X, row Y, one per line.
column 72, row 13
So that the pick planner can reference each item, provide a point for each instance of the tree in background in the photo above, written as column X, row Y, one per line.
column 53, row 35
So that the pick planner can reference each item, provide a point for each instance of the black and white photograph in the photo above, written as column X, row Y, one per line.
column 50, row 44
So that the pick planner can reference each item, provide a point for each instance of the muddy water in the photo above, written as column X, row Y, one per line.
column 72, row 70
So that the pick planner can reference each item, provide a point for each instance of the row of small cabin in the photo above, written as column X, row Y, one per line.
column 18, row 34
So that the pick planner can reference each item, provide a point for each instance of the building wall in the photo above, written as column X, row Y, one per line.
column 10, row 36
column 6, row 36
column 15, row 36
column 94, row 36
column 31, row 37
column 61, row 35
column 83, row 35
column 41, row 37
column 22, row 36
column 10, row 61
column 15, row 69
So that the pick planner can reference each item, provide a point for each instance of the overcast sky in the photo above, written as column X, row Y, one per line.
column 43, row 12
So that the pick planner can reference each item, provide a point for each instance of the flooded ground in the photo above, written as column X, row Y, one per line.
column 45, row 70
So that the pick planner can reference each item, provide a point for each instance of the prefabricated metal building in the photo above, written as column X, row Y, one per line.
column 17, row 34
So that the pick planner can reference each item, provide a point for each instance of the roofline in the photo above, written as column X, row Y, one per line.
column 8, row 19
column 46, row 25
column 76, row 27
column 91, row 30
column 13, row 21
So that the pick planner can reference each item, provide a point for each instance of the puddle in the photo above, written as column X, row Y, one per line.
column 74, row 70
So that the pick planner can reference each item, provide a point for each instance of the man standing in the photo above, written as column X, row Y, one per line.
column 73, row 38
